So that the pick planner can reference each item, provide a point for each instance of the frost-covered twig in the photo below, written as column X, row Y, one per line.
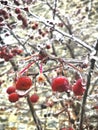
column 54, row 10
column 33, row 112
column 17, row 39
column 87, row 88
column 68, row 26
column 72, row 37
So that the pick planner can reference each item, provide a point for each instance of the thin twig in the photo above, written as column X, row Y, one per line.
column 68, row 26
column 19, row 42
column 90, row 7
column 87, row 88
column 75, row 39
column 54, row 10
column 33, row 112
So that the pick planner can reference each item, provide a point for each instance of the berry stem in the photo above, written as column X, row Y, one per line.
column 26, row 68
column 41, row 68
column 34, row 115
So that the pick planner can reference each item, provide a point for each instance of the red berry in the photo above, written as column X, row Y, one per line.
column 16, row 50
column 3, row 12
column 60, row 84
column 13, row 97
column 50, row 103
column 34, row 98
column 6, row 58
column 70, row 128
column 17, row 11
column 10, row 55
column 95, row 107
column 26, row 9
column 19, row 51
column 23, row 83
column 20, row 17
column 48, row 46
column 0, row 11
column 78, row 88
column 6, row 16
column 1, row 19
column 63, row 128
column 60, row 25
column 1, row 24
column 11, row 89
column 24, row 22
column 7, row 34
column 43, row 34
column 31, row 37
column 35, row 26
column 40, row 31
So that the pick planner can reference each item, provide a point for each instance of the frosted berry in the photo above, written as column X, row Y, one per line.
column 17, row 11
column 16, row 50
column 1, row 19
column 34, row 98
column 60, row 84
column 70, row 128
column 60, row 25
column 63, row 128
column 11, row 89
column 48, row 46
column 6, row 16
column 13, row 97
column 78, row 88
column 35, row 26
column 26, row 9
column 20, row 17
column 23, row 83
column 95, row 107
column 50, row 104
column 3, row 12
column 24, row 22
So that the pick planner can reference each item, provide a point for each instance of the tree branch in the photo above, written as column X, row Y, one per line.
column 87, row 88
column 35, row 117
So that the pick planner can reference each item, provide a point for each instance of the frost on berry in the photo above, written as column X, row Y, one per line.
column 11, row 89
column 23, row 83
column 13, row 97
column 78, row 88
column 34, row 98
column 60, row 84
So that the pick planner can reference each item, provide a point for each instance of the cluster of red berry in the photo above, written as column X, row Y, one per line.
column 34, row 25
column 3, row 15
column 23, row 83
column 21, row 17
column 66, row 128
column 7, row 53
column 61, row 84
column 78, row 88
column 42, row 32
